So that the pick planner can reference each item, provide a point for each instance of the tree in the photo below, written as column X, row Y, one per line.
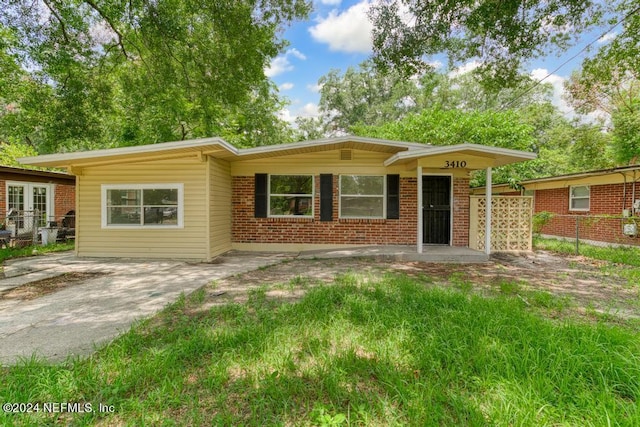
column 364, row 96
column 448, row 127
column 614, row 90
column 626, row 134
column 147, row 71
column 500, row 35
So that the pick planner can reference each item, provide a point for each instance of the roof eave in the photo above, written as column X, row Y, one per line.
column 67, row 159
column 434, row 151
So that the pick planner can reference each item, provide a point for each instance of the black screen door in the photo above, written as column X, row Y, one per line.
column 436, row 210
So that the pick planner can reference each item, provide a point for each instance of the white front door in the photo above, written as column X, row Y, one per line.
column 26, row 200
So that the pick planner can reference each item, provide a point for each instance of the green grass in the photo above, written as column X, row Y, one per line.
column 619, row 255
column 8, row 253
column 628, row 257
column 362, row 351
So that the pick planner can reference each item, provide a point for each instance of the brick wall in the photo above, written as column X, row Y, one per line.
column 64, row 199
column 604, row 200
column 248, row 229
column 461, row 212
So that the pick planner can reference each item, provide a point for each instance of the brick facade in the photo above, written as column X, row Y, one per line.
column 64, row 200
column 461, row 204
column 248, row 229
column 605, row 200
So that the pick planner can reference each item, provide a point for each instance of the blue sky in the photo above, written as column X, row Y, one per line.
column 338, row 35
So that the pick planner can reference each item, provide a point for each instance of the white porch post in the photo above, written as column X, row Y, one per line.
column 487, row 218
column 419, row 231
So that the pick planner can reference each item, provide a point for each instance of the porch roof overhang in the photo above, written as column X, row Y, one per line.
column 483, row 156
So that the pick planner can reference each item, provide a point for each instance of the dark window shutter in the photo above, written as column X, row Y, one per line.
column 393, row 196
column 261, row 196
column 326, row 197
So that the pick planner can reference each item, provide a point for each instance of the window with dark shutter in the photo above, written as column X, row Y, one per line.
column 261, row 196
column 393, row 196
column 326, row 197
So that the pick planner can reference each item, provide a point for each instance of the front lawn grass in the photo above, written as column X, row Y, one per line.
column 620, row 255
column 624, row 261
column 362, row 351
column 32, row 250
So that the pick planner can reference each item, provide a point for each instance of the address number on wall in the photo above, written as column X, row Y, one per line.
column 455, row 164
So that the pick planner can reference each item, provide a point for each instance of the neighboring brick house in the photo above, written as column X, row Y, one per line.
column 53, row 194
column 605, row 203
column 200, row 198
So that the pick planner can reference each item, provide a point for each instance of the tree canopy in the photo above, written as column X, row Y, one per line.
column 101, row 72
column 502, row 36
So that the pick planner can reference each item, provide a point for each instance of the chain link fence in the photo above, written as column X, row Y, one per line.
column 23, row 228
column 599, row 230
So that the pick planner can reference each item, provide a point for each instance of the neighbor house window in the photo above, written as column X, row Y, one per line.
column 362, row 196
column 142, row 205
column 291, row 195
column 579, row 198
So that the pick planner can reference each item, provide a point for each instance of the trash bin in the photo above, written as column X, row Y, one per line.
column 49, row 235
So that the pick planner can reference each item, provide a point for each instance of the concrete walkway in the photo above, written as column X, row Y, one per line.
column 74, row 320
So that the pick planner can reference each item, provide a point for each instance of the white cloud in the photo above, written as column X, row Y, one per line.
column 607, row 38
column 286, row 86
column 281, row 64
column 315, row 88
column 295, row 52
column 286, row 115
column 346, row 31
column 308, row 110
column 557, row 82
column 465, row 68
column 330, row 2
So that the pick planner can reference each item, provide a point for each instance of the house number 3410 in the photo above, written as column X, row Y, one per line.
column 455, row 164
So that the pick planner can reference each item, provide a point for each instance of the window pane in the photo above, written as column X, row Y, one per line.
column 123, row 197
column 362, row 185
column 160, row 216
column 580, row 204
column 291, row 184
column 288, row 205
column 361, row 207
column 160, row 197
column 123, row 215
column 582, row 191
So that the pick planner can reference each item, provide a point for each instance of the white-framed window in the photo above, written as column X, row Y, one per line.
column 362, row 196
column 579, row 198
column 142, row 205
column 291, row 195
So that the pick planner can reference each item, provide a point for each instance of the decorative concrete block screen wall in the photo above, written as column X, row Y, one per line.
column 511, row 220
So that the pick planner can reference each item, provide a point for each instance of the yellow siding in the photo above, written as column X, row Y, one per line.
column 363, row 162
column 219, row 207
column 189, row 242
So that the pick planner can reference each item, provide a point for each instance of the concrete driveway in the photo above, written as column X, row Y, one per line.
column 74, row 320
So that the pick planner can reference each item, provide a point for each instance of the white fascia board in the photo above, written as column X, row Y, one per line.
column 137, row 149
column 446, row 149
column 329, row 141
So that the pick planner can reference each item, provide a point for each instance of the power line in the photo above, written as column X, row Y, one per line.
column 523, row 93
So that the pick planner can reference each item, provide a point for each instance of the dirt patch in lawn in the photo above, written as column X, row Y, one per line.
column 43, row 287
column 587, row 285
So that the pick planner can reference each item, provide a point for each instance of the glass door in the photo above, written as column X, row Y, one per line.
column 28, row 205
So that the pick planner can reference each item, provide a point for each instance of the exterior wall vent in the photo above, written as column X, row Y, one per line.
column 346, row 155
